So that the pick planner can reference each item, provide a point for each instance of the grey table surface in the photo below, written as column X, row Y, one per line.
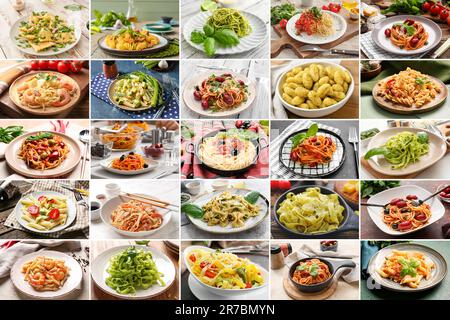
column 348, row 169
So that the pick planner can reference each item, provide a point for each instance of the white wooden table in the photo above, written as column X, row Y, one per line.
column 255, row 70
column 261, row 231
column 260, row 8
column 165, row 190
column 8, row 16
column 436, row 171
column 73, row 130
column 352, row 44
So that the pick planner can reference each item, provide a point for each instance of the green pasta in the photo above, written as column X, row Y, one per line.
column 133, row 269
column 226, row 18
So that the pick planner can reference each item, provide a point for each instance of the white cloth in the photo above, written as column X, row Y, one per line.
column 306, row 251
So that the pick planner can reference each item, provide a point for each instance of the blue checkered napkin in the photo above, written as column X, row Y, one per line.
column 278, row 171
column 99, row 88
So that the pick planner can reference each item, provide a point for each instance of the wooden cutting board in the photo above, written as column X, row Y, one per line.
column 286, row 42
column 385, row 4
column 296, row 294
column 9, row 108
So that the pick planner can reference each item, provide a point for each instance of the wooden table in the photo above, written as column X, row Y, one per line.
column 352, row 44
column 257, row 71
column 98, row 247
column 80, row 111
column 278, row 233
column 434, row 231
column 73, row 130
column 351, row 109
column 98, row 53
column 8, row 16
column 260, row 8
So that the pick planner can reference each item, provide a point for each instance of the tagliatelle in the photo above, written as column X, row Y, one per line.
column 311, row 212
column 224, row 270
column 135, row 216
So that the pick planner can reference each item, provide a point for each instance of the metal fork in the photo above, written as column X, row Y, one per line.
column 314, row 48
column 167, row 84
column 235, row 70
column 353, row 139
column 80, row 200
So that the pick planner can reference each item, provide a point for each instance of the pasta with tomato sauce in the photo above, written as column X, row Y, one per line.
column 312, row 271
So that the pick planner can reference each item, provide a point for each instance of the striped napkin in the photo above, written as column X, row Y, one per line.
column 99, row 88
column 81, row 221
column 278, row 171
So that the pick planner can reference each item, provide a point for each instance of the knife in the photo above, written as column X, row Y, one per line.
column 444, row 47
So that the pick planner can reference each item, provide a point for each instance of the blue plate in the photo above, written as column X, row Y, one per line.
column 173, row 22
column 158, row 27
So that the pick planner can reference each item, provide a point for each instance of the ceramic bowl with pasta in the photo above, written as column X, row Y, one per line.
column 27, row 280
column 45, row 211
column 119, row 213
column 211, row 282
column 314, row 90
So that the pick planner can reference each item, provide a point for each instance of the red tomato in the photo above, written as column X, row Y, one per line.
column 34, row 65
column 448, row 21
column 274, row 184
column 447, row 190
column 210, row 274
column 239, row 123
column 43, row 64
column 254, row 127
column 405, row 225
column 42, row 198
column 283, row 23
column 324, row 7
column 411, row 197
column 435, row 10
column 426, row 6
column 444, row 14
column 75, row 66
column 334, row 9
column 248, row 285
column 33, row 210
column 155, row 215
column 203, row 264
column 54, row 214
column 63, row 67
column 401, row 204
column 421, row 217
column 394, row 201
column 284, row 184
column 387, row 33
column 192, row 258
column 53, row 64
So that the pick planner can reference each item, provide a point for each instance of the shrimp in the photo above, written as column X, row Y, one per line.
column 29, row 97
column 67, row 85
column 37, row 279
column 65, row 98
column 23, row 87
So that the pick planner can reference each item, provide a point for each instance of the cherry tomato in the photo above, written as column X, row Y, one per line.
column 75, row 66
column 274, row 184
column 444, row 14
column 448, row 21
column 394, row 201
column 248, row 285
column 34, row 65
column 205, row 104
column 238, row 123
column 210, row 274
column 192, row 258
column 324, row 7
column 33, row 210
column 447, row 190
column 411, row 197
column 203, row 264
column 426, row 6
column 53, row 156
column 405, row 225
column 284, row 184
column 443, row 194
column 387, row 33
column 43, row 64
column 421, row 217
column 197, row 96
column 334, row 9
column 435, row 10
column 409, row 22
column 283, row 23
column 54, row 214
column 401, row 204
column 63, row 67
column 220, row 79
column 42, row 198
column 53, row 64
column 254, row 127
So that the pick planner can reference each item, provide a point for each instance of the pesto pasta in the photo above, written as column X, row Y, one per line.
column 232, row 19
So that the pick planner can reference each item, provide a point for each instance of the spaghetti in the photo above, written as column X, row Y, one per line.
column 312, row 271
column 406, row 215
column 408, row 35
column 45, row 274
column 43, row 151
column 314, row 22
column 226, row 18
column 129, row 162
column 407, row 268
column 134, row 216
column 314, row 151
column 126, row 139
column 409, row 87
column 221, row 93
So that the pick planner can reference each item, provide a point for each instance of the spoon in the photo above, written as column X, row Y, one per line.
column 84, row 137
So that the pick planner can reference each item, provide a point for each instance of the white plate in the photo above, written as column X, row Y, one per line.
column 437, row 149
column 163, row 263
column 247, row 43
column 105, row 164
column 14, row 32
column 225, row 292
column 249, row 223
column 376, row 214
column 113, row 203
column 434, row 34
column 71, row 284
column 339, row 27
column 203, row 294
column 71, row 211
column 196, row 106
column 314, row 113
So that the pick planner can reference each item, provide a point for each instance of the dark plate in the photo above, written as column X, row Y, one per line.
column 163, row 44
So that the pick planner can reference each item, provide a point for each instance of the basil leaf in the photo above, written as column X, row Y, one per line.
column 423, row 137
column 44, row 135
column 210, row 46
column 376, row 151
column 208, row 30
column 197, row 37
column 298, row 138
column 192, row 210
column 226, row 37
column 252, row 197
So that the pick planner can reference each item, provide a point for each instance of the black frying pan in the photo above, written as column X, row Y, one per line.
column 333, row 266
column 193, row 148
column 350, row 222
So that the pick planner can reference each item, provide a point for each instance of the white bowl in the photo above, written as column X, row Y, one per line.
column 314, row 113
column 376, row 214
column 219, row 291
column 113, row 203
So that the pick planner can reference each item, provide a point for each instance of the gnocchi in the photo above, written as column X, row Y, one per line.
column 315, row 86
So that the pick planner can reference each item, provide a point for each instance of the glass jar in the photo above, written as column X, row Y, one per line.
column 132, row 12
